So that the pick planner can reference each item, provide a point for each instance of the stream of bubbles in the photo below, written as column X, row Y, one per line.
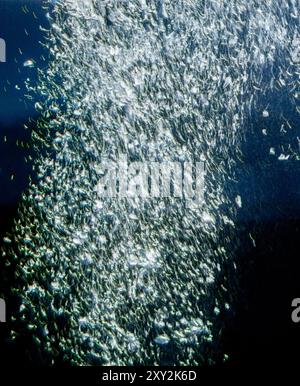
column 123, row 282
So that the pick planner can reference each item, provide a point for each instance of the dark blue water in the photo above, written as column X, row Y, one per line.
column 20, row 23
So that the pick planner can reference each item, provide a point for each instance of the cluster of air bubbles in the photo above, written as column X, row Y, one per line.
column 108, row 281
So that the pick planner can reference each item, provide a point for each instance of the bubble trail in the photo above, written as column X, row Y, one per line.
column 123, row 282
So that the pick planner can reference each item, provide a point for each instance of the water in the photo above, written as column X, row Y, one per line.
column 123, row 282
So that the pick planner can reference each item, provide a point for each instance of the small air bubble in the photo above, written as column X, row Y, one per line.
column 29, row 63
column 162, row 340
column 266, row 114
